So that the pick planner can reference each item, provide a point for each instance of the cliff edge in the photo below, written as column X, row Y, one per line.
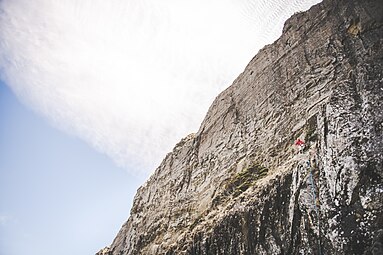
column 241, row 186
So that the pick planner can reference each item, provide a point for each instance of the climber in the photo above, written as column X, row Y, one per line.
column 299, row 142
column 300, row 145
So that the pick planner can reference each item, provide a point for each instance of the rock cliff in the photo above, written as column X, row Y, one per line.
column 240, row 186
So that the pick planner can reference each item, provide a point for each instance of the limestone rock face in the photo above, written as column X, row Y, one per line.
column 239, row 185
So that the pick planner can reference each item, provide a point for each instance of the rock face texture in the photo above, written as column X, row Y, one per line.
column 240, row 186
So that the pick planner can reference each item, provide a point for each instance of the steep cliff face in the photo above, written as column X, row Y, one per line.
column 239, row 185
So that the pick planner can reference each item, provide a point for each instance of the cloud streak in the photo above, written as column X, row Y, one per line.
column 131, row 77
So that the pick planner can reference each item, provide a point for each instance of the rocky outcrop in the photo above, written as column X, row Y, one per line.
column 239, row 186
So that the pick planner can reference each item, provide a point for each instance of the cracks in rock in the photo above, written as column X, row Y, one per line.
column 305, row 54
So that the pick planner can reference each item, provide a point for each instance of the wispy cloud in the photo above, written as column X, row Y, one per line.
column 131, row 77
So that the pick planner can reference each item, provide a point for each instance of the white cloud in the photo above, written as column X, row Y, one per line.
column 131, row 77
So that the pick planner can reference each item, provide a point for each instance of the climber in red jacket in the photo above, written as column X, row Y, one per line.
column 299, row 142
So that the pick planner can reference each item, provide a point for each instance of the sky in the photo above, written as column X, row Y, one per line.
column 94, row 93
column 58, row 195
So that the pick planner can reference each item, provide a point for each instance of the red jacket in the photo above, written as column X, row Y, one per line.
column 299, row 142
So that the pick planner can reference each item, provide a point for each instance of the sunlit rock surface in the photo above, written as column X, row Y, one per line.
column 239, row 185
